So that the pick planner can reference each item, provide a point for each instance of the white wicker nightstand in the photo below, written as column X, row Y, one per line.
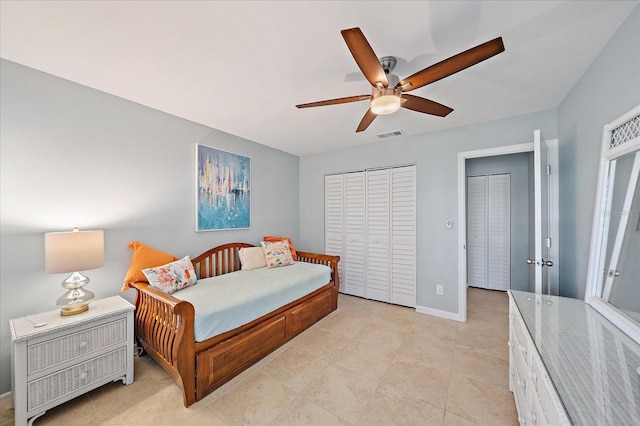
column 70, row 355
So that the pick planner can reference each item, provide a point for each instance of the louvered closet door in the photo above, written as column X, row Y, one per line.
column 334, row 220
column 377, row 273
column 403, row 236
column 499, row 224
column 354, row 247
column 489, row 231
column 477, row 231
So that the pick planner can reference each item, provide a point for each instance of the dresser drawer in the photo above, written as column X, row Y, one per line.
column 546, row 394
column 51, row 353
column 62, row 383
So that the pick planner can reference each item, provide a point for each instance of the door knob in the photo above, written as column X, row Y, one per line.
column 547, row 262
column 613, row 273
column 530, row 261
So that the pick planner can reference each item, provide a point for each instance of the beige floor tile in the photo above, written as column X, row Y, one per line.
column 387, row 336
column 483, row 342
column 392, row 407
column 341, row 391
column 295, row 367
column 481, row 402
column 6, row 413
column 344, row 325
column 77, row 412
column 451, row 419
column 433, row 351
column 256, row 400
column 480, row 367
column 433, row 327
column 426, row 382
column 321, row 343
column 370, row 361
column 115, row 398
column 303, row 412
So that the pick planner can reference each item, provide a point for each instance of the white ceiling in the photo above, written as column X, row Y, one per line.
column 242, row 66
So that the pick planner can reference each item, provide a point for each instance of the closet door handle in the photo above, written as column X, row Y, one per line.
column 530, row 261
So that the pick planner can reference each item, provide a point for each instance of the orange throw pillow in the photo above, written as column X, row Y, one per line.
column 144, row 257
column 273, row 239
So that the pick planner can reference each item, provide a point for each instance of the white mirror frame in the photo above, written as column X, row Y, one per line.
column 600, row 222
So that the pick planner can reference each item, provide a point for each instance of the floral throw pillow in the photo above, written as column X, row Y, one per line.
column 172, row 276
column 277, row 253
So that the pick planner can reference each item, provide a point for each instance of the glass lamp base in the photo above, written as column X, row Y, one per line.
column 77, row 299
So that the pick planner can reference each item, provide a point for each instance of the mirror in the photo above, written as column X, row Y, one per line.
column 614, row 264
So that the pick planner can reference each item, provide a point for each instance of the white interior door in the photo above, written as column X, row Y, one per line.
column 499, row 235
column 378, row 212
column 541, row 261
column 403, row 236
column 334, row 220
column 354, row 247
column 477, row 231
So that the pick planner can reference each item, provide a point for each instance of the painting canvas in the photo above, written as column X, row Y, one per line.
column 223, row 196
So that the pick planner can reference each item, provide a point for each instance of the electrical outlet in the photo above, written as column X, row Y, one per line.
column 439, row 289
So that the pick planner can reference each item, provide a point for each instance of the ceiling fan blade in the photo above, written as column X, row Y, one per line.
column 365, row 56
column 426, row 106
column 366, row 120
column 335, row 101
column 452, row 65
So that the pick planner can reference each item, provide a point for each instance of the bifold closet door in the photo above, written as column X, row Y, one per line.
column 489, row 231
column 378, row 215
column 354, row 247
column 477, row 231
column 370, row 222
column 334, row 220
column 499, row 261
column 403, row 236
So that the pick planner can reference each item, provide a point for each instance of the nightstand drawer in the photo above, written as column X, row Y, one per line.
column 57, row 351
column 64, row 382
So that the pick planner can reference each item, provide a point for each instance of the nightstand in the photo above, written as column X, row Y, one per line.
column 70, row 355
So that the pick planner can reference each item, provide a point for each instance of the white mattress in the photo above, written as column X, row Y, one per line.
column 228, row 301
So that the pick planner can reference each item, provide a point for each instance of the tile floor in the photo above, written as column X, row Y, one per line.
column 368, row 363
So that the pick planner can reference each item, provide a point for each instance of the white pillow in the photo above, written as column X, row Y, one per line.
column 252, row 258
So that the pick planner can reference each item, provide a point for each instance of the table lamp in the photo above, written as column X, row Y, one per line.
column 73, row 252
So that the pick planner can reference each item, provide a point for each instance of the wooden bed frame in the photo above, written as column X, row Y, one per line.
column 164, row 326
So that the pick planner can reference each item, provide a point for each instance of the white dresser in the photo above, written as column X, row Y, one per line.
column 70, row 355
column 570, row 365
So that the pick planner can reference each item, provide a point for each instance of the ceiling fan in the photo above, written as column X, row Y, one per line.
column 388, row 93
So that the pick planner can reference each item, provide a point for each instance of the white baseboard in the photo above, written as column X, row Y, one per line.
column 438, row 313
column 6, row 398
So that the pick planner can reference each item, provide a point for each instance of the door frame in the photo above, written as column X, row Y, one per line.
column 462, row 210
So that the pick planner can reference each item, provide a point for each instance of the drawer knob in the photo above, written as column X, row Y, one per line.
column 510, row 344
column 523, row 349
column 83, row 345
column 533, row 376
column 83, row 376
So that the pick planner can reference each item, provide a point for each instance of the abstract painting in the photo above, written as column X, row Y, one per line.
column 223, row 198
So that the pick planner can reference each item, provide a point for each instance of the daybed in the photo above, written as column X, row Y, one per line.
column 164, row 325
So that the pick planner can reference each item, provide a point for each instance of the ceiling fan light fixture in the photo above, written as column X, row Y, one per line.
column 385, row 101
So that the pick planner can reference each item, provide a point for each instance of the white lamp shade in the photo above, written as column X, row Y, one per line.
column 73, row 251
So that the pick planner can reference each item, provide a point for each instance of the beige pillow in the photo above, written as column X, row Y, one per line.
column 252, row 258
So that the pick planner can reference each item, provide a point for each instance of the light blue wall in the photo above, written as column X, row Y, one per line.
column 436, row 157
column 520, row 168
column 73, row 156
column 608, row 89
